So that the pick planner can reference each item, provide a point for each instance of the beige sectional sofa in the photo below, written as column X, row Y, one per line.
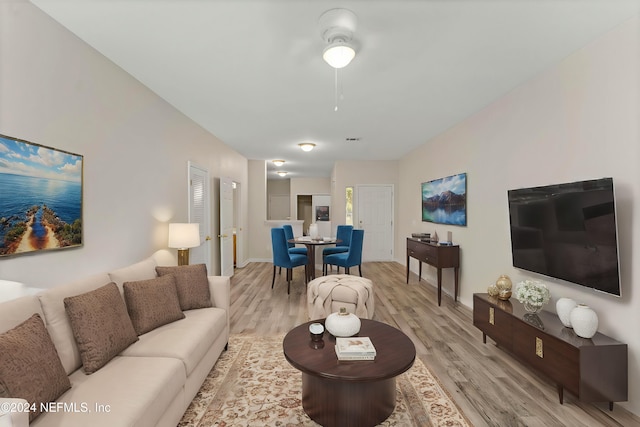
column 150, row 383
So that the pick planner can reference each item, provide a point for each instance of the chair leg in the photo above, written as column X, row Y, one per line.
column 289, row 274
column 280, row 271
column 346, row 270
column 360, row 269
column 273, row 280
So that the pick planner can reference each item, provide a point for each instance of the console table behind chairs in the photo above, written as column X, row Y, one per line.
column 437, row 256
column 311, row 253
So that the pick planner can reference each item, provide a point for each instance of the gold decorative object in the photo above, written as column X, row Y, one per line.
column 539, row 348
column 492, row 318
column 493, row 291
column 504, row 286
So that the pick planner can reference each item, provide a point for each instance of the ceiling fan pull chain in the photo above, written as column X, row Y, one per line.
column 335, row 84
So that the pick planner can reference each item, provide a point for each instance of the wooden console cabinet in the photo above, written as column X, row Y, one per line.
column 436, row 255
column 594, row 370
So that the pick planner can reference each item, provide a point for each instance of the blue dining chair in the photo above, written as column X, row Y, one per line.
column 283, row 259
column 352, row 257
column 343, row 233
column 288, row 234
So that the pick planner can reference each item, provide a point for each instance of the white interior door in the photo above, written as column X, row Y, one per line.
column 226, row 226
column 200, row 212
column 375, row 216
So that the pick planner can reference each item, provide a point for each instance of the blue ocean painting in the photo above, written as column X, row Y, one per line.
column 40, row 197
column 444, row 200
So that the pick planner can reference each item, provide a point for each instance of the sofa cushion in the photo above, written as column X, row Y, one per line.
column 57, row 321
column 142, row 270
column 29, row 365
column 127, row 391
column 152, row 303
column 192, row 284
column 188, row 339
column 101, row 326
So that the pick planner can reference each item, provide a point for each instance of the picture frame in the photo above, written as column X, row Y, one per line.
column 444, row 200
column 322, row 213
column 41, row 199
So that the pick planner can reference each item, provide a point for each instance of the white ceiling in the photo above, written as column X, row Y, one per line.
column 251, row 72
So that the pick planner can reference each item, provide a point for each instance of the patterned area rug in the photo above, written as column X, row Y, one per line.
column 252, row 384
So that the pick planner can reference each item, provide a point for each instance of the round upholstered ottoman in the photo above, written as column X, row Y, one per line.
column 326, row 294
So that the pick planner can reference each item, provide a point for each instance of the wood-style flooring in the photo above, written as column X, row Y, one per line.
column 490, row 386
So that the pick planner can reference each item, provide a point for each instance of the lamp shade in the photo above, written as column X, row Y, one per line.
column 338, row 54
column 184, row 235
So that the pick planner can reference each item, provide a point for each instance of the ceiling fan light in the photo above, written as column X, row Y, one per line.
column 278, row 162
column 307, row 146
column 338, row 54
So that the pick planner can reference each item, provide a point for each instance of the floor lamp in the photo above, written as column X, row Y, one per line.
column 184, row 236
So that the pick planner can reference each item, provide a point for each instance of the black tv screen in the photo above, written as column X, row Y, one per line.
column 567, row 231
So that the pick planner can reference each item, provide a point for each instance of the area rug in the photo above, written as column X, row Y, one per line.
column 252, row 384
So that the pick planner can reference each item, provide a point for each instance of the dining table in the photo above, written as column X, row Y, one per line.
column 311, row 244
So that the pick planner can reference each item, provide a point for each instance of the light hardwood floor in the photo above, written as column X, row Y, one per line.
column 490, row 386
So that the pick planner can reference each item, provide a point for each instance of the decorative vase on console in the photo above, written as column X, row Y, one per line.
column 313, row 231
column 504, row 286
column 533, row 295
column 564, row 306
column 584, row 321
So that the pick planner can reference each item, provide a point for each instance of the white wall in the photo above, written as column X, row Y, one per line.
column 349, row 173
column 57, row 91
column 579, row 120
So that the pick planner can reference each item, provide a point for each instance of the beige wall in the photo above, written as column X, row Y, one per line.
column 351, row 173
column 579, row 120
column 57, row 91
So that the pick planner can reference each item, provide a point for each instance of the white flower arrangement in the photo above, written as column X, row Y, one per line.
column 532, row 292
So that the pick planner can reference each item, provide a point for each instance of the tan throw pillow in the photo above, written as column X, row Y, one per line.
column 101, row 326
column 152, row 303
column 192, row 284
column 29, row 365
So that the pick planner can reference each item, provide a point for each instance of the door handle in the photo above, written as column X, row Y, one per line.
column 223, row 236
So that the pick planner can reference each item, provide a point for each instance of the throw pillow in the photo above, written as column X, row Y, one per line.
column 152, row 303
column 29, row 365
column 101, row 326
column 192, row 284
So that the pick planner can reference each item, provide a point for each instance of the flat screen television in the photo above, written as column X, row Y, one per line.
column 567, row 231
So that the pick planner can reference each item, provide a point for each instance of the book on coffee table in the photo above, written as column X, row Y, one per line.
column 355, row 348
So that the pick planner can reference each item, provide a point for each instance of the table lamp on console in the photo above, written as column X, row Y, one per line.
column 184, row 236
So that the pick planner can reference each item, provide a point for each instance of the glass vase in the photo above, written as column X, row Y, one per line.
column 532, row 308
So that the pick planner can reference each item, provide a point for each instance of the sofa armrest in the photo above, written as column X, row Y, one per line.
column 13, row 412
column 220, row 289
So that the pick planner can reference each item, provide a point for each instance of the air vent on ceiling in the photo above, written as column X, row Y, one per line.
column 352, row 139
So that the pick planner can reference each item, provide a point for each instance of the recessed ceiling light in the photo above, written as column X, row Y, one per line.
column 278, row 162
column 307, row 146
column 282, row 173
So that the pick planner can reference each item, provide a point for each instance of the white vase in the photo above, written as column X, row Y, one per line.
column 584, row 321
column 342, row 324
column 313, row 231
column 564, row 306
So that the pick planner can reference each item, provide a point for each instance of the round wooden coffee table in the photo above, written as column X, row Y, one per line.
column 349, row 393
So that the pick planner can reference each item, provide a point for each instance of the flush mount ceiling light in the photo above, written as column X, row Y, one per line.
column 307, row 146
column 336, row 28
column 278, row 163
column 282, row 173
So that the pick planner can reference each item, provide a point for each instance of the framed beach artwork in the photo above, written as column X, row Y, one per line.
column 41, row 198
column 444, row 200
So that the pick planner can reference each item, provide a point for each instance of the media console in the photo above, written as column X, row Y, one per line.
column 594, row 370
